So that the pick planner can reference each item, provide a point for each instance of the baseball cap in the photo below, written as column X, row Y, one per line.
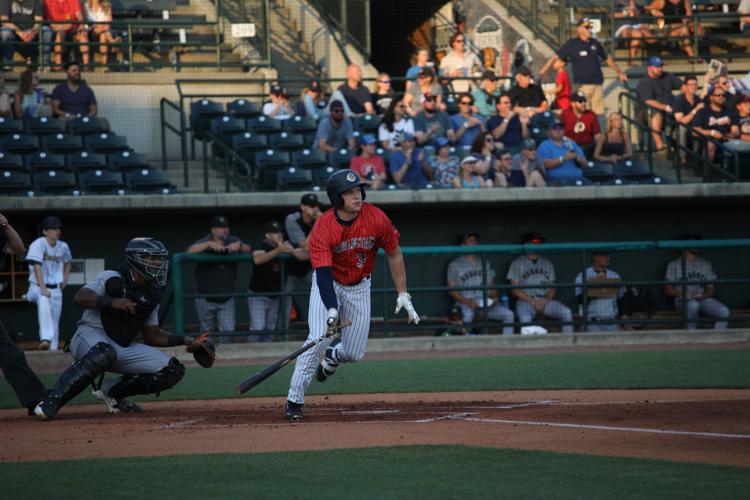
column 277, row 90
column 601, row 251
column 310, row 200
column 557, row 124
column 367, row 140
column 313, row 85
column 426, row 71
column 407, row 137
column 469, row 159
column 272, row 227
column 468, row 235
column 51, row 222
column 743, row 98
column 219, row 221
column 528, row 144
column 524, row 70
column 533, row 238
column 442, row 141
column 584, row 21
column 655, row 61
column 489, row 75
column 336, row 104
column 578, row 96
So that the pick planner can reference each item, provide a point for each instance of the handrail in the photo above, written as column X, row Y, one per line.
column 336, row 27
column 165, row 103
column 229, row 153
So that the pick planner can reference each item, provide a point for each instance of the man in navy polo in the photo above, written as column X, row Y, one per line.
column 73, row 98
column 585, row 53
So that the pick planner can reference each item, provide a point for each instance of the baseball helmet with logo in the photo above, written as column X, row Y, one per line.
column 340, row 182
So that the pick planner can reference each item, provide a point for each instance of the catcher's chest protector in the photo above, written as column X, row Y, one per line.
column 121, row 326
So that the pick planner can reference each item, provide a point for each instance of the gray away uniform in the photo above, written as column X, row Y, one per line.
column 525, row 271
column 697, row 270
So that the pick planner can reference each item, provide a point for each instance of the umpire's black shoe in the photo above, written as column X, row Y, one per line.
column 327, row 366
column 293, row 411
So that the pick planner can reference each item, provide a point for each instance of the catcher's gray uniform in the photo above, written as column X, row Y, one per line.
column 601, row 308
column 698, row 269
column 524, row 271
column 466, row 271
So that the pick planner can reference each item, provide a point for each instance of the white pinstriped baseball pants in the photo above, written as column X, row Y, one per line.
column 708, row 306
column 48, row 311
column 354, row 305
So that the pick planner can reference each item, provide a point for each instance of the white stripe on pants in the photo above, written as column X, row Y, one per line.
column 354, row 305
column 48, row 311
column 554, row 309
column 708, row 307
column 263, row 314
column 496, row 312
column 216, row 317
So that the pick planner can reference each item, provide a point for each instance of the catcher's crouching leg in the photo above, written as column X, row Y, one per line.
column 76, row 378
column 148, row 383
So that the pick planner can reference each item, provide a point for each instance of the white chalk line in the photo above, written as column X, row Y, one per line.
column 185, row 423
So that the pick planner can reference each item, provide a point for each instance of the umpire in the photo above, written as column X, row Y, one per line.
column 24, row 382
column 217, row 313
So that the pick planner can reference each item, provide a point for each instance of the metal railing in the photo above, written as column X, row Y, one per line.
column 387, row 324
column 350, row 19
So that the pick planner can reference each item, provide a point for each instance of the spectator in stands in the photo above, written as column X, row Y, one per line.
column 6, row 110
column 383, row 95
column 533, row 269
column 278, row 107
column 368, row 165
column 585, row 53
column 676, row 18
column 715, row 121
column 601, row 302
column 217, row 314
column 355, row 96
column 432, row 123
column 483, row 149
column 744, row 10
column 408, row 165
column 470, row 175
column 562, row 157
column 501, row 173
column 530, row 164
column 394, row 124
column 742, row 118
column 508, row 127
column 73, row 98
column 731, row 95
column 562, row 86
column 420, row 59
column 31, row 101
column 525, row 95
column 486, row 95
column 460, row 64
column 614, row 145
column 581, row 124
column 686, row 106
column 443, row 166
column 633, row 33
column 21, row 24
column 335, row 131
column 312, row 101
column 699, row 295
column 466, row 125
column 655, row 94
column 466, row 271
column 63, row 14
column 425, row 85
column 100, row 11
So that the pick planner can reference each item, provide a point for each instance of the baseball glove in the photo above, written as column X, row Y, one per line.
column 203, row 350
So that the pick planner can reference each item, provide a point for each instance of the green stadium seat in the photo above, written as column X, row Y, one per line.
column 55, row 182
column 60, row 143
column 8, row 126
column 101, row 182
column 86, row 125
column 84, row 160
column 15, row 182
column 44, row 126
column 294, row 179
column 19, row 144
column 44, row 161
column 243, row 109
column 105, row 143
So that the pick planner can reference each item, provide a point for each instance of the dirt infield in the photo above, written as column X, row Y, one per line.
column 704, row 426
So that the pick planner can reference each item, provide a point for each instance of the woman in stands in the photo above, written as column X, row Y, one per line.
column 633, row 33
column 425, row 86
column 615, row 145
column 420, row 59
column 383, row 95
column 395, row 123
column 30, row 100
column 63, row 15
column 312, row 101
column 483, row 149
column 471, row 177
column 443, row 165
column 101, row 12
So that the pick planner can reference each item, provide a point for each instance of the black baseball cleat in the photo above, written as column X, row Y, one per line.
column 327, row 366
column 45, row 410
column 293, row 411
column 116, row 405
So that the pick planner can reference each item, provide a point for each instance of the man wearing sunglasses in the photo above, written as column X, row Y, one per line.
column 431, row 122
column 460, row 63
column 715, row 121
column 466, row 124
column 335, row 131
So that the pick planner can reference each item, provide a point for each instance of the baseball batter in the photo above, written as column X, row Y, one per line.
column 343, row 245
column 49, row 261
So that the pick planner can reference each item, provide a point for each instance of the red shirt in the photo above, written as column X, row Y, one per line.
column 366, row 168
column 581, row 129
column 351, row 250
column 563, row 97
column 62, row 10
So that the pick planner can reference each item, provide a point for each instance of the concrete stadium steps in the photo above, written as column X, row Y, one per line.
column 216, row 180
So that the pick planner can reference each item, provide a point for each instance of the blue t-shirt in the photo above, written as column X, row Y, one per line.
column 471, row 133
column 414, row 177
column 513, row 132
column 75, row 103
column 548, row 150
column 586, row 58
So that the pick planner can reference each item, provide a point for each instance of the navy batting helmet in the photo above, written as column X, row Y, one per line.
column 150, row 258
column 340, row 182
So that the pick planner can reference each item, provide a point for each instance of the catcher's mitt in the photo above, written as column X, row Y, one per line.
column 203, row 350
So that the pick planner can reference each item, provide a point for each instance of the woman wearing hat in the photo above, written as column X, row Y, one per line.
column 470, row 177
column 368, row 165
column 312, row 101
column 443, row 166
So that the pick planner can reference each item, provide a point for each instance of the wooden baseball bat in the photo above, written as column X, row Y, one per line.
column 269, row 370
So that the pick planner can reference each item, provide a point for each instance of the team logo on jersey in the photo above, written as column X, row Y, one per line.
column 351, row 177
column 361, row 260
column 355, row 243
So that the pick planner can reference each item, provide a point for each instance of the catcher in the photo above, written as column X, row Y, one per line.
column 602, row 300
column 118, row 306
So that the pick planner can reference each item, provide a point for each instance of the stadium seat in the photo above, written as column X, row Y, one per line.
column 83, row 160
column 148, row 180
column 569, row 182
column 321, row 175
column 101, row 182
column 633, row 169
column 654, row 180
column 294, row 179
column 227, row 126
column 538, row 134
column 461, row 151
column 44, row 161
column 367, row 124
column 55, row 182
column 14, row 182
column 87, row 125
column 542, row 120
column 385, row 154
column 286, row 141
column 451, row 105
column 243, row 109
column 44, row 126
column 308, row 158
column 19, row 144
column 247, row 144
column 201, row 114
column 301, row 125
column 340, row 158
column 599, row 171
column 62, row 143
column 10, row 126
column 126, row 160
column 264, row 125
column 105, row 143
column 12, row 162
column 267, row 163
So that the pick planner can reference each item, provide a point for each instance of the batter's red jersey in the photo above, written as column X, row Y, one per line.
column 351, row 250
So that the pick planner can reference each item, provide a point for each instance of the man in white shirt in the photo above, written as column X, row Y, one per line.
column 49, row 268
column 461, row 64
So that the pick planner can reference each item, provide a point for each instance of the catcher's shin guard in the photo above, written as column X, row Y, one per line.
column 148, row 383
column 76, row 378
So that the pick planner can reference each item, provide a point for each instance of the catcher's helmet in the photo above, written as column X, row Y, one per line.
column 149, row 258
column 340, row 182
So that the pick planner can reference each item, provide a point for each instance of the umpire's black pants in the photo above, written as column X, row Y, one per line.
column 25, row 383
